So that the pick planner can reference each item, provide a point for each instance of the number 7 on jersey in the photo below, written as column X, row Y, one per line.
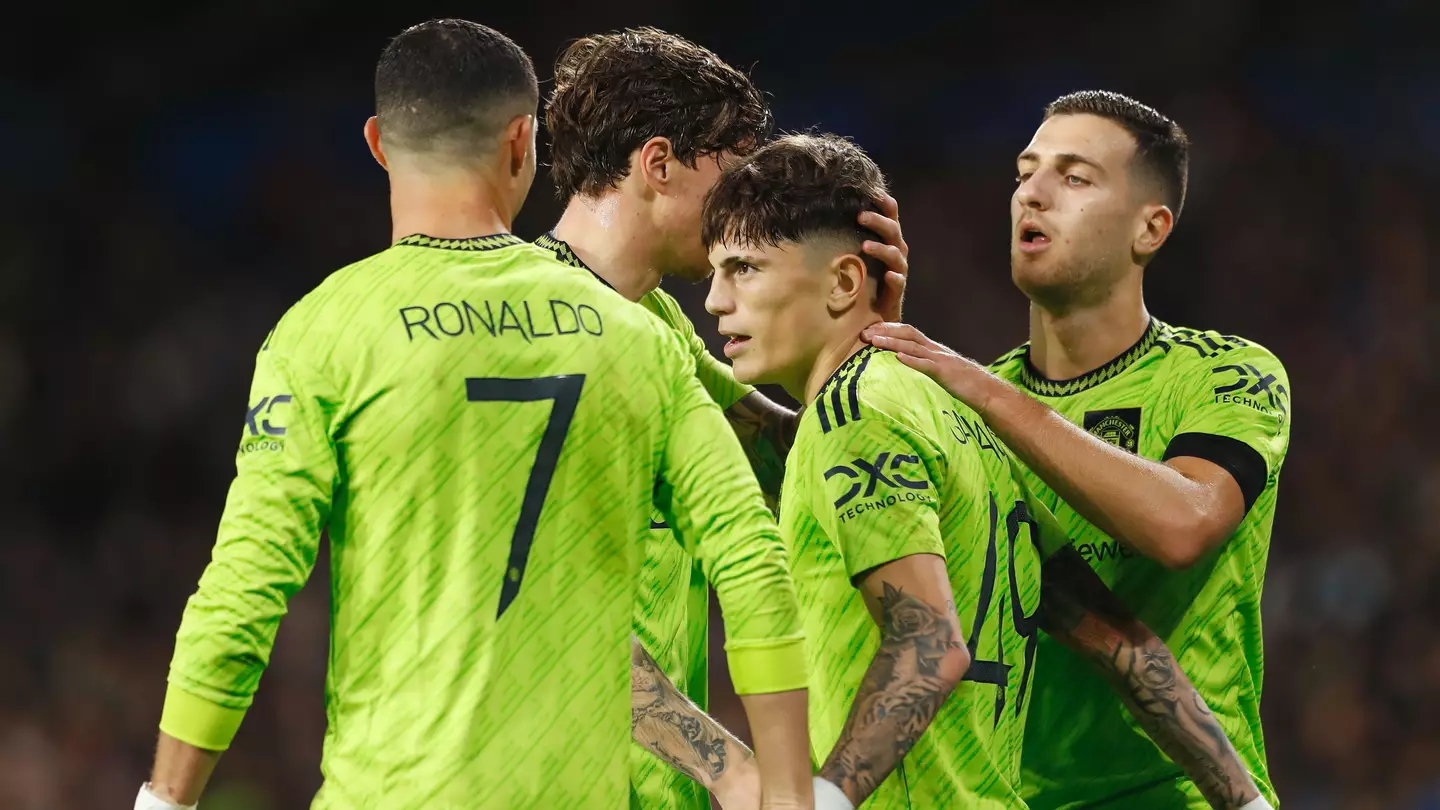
column 564, row 391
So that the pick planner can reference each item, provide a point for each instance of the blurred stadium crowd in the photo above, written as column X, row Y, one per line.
column 173, row 183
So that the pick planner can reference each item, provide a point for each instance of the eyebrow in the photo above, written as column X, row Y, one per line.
column 1064, row 159
column 729, row 262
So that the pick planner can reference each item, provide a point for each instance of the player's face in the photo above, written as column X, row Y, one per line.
column 772, row 305
column 679, row 218
column 1072, row 213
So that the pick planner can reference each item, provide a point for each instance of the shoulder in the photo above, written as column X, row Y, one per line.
column 555, row 269
column 1009, row 364
column 874, row 392
column 316, row 313
column 656, row 310
column 1217, row 373
column 1187, row 349
column 664, row 306
column 575, row 284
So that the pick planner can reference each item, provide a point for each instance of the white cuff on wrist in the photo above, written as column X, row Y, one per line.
column 1258, row 803
column 146, row 800
column 830, row 797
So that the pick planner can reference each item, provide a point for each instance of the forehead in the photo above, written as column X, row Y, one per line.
column 768, row 255
column 1090, row 136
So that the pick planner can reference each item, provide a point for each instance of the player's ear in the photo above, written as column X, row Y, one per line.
column 848, row 287
column 520, row 143
column 654, row 163
column 372, row 139
column 1151, row 231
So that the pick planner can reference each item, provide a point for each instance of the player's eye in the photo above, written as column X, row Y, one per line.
column 1023, row 176
column 743, row 268
column 1076, row 180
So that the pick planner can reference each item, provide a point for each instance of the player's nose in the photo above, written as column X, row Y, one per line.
column 1032, row 193
column 718, row 301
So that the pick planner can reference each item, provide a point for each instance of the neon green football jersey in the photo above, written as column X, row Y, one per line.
column 484, row 432
column 1176, row 392
column 672, row 613
column 886, row 464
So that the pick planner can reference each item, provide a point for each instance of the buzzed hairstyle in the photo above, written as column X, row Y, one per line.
column 450, row 86
column 796, row 188
column 613, row 92
column 1162, row 149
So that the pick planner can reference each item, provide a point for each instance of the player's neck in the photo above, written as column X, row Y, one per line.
column 1078, row 340
column 610, row 238
column 833, row 354
column 453, row 205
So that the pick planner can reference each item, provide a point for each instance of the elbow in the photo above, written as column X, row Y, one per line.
column 953, row 668
column 1177, row 555
column 1184, row 540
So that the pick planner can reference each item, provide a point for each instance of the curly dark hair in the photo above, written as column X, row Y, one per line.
column 615, row 91
column 1162, row 149
column 792, row 188
column 450, row 85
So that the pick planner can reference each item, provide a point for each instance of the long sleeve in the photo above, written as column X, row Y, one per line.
column 711, row 498
column 269, row 535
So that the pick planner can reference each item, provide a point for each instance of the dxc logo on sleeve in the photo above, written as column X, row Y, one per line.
column 262, row 429
column 866, row 477
column 1248, row 386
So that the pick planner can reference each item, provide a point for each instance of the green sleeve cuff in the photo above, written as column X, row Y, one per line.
column 197, row 721
column 762, row 667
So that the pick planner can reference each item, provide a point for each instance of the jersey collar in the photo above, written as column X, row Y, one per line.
column 562, row 251
column 848, row 372
column 494, row 241
column 1046, row 387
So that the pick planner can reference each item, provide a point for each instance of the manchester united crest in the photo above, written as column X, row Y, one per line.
column 1118, row 426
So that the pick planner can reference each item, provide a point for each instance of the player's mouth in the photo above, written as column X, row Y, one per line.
column 735, row 343
column 1031, row 238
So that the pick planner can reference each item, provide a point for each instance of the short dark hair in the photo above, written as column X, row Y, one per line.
column 615, row 91
column 1162, row 149
column 447, row 84
column 794, row 188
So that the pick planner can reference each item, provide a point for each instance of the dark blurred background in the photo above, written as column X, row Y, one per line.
column 175, row 177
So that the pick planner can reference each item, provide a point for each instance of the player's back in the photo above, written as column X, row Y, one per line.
column 880, row 447
column 498, row 422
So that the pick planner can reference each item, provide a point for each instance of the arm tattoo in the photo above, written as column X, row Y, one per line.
column 766, row 432
column 671, row 727
column 898, row 697
column 1079, row 611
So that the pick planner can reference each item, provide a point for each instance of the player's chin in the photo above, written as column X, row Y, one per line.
column 1029, row 269
column 743, row 371
column 749, row 370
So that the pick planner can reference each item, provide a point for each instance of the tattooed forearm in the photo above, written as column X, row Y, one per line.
column 919, row 662
column 673, row 728
column 1079, row 611
column 1167, row 706
column 766, row 431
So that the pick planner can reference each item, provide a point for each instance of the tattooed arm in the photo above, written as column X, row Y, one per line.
column 920, row 661
column 766, row 430
column 1078, row 610
column 672, row 728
